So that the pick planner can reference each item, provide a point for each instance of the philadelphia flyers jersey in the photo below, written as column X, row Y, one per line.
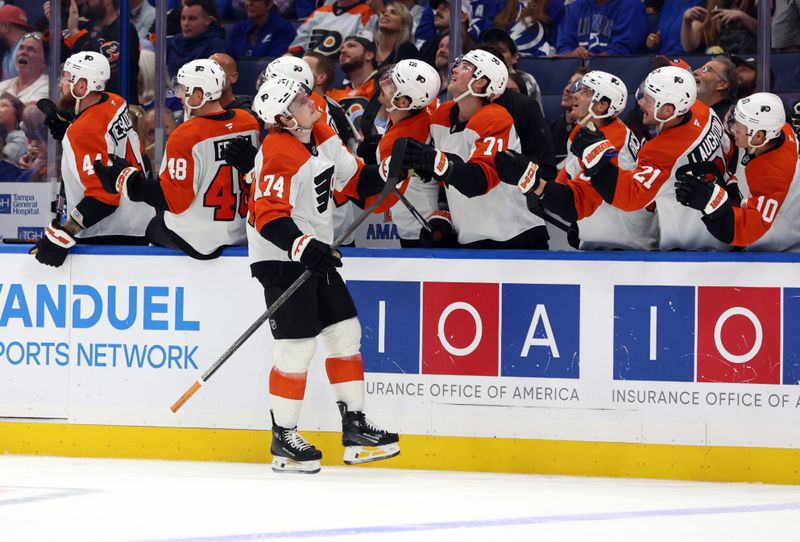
column 769, row 216
column 502, row 213
column 102, row 129
column 698, row 139
column 297, row 181
column 207, row 198
column 327, row 27
column 603, row 226
column 423, row 196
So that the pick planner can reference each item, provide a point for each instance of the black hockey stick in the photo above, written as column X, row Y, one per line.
column 413, row 210
column 535, row 207
column 393, row 177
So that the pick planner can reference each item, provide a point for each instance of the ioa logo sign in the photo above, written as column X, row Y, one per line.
column 445, row 328
column 705, row 334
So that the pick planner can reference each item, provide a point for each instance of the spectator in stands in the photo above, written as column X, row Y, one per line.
column 149, row 130
column 325, row 29
column 34, row 162
column 721, row 26
column 666, row 40
column 602, row 27
column 264, row 33
column 10, row 118
column 441, row 23
column 100, row 30
column 480, row 14
column 31, row 82
column 357, row 61
column 561, row 127
column 746, row 70
column 200, row 37
column 717, row 82
column 323, row 69
column 143, row 15
column 501, row 40
column 394, row 39
column 147, row 76
column 442, row 62
column 13, row 25
column 785, row 25
column 532, row 24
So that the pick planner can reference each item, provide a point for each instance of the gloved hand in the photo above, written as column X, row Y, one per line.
column 315, row 255
column 593, row 150
column 425, row 160
column 114, row 178
column 697, row 186
column 56, row 120
column 53, row 247
column 241, row 154
column 515, row 169
column 794, row 118
column 442, row 233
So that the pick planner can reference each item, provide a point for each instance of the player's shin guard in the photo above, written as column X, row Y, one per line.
column 363, row 441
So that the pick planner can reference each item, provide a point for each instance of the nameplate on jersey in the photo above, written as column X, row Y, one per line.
column 119, row 129
column 219, row 147
column 710, row 143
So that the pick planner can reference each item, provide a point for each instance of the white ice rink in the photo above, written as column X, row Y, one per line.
column 59, row 499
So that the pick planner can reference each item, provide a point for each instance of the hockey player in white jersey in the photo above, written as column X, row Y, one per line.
column 599, row 98
column 767, row 172
column 688, row 132
column 467, row 133
column 201, row 200
column 102, row 127
column 301, row 163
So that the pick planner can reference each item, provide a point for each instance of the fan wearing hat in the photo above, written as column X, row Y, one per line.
column 13, row 26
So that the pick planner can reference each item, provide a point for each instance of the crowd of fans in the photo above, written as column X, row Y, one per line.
column 362, row 38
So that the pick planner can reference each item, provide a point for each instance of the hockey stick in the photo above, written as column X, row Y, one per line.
column 393, row 177
column 413, row 210
column 49, row 109
column 535, row 207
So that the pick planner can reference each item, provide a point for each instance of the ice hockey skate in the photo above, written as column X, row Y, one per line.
column 363, row 442
column 291, row 452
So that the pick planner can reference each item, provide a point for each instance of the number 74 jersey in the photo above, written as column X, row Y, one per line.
column 207, row 198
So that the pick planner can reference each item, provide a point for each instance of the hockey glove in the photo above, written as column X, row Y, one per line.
column 53, row 247
column 515, row 169
column 57, row 121
column 428, row 162
column 697, row 186
column 115, row 177
column 315, row 255
column 442, row 233
column 794, row 118
column 241, row 154
column 593, row 150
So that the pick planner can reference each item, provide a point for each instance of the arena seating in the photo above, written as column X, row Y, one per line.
column 551, row 74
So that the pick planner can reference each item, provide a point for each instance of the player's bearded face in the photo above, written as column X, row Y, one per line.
column 66, row 101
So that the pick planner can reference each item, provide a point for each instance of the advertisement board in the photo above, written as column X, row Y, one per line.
column 24, row 210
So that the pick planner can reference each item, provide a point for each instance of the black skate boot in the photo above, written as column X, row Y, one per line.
column 291, row 452
column 363, row 442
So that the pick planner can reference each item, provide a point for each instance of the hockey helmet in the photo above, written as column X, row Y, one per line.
column 88, row 65
column 289, row 67
column 760, row 111
column 489, row 66
column 204, row 74
column 669, row 85
column 274, row 98
column 416, row 80
column 605, row 86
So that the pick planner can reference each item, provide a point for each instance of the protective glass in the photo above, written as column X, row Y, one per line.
column 387, row 83
column 464, row 65
column 576, row 86
column 179, row 89
column 300, row 100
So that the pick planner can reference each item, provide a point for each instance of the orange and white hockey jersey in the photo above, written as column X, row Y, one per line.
column 769, row 217
column 207, row 198
column 698, row 139
column 102, row 129
column 422, row 195
column 327, row 27
column 502, row 213
column 298, row 182
column 603, row 226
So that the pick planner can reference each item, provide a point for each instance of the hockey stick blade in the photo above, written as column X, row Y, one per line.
column 392, row 178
